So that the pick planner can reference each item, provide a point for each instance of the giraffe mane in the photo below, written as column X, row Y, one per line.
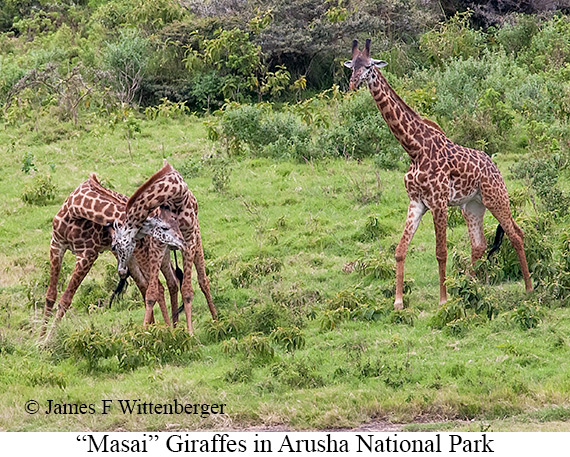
column 110, row 194
column 167, row 168
column 433, row 124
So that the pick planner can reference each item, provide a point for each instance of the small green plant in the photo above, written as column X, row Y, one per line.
column 6, row 346
column 225, row 327
column 298, row 374
column 255, row 345
column 166, row 110
column 239, row 374
column 28, row 162
column 256, row 270
column 451, row 311
column 40, row 191
column 331, row 318
column 290, row 338
column 527, row 316
column 221, row 174
column 381, row 266
column 403, row 316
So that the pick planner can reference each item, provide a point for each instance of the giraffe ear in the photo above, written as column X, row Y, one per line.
column 379, row 63
column 348, row 64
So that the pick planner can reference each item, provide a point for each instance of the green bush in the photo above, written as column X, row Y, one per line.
column 254, row 345
column 527, row 316
column 130, row 348
column 298, row 374
column 126, row 60
column 453, row 39
column 39, row 191
column 290, row 338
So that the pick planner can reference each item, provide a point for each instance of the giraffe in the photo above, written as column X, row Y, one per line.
column 165, row 188
column 441, row 174
column 82, row 226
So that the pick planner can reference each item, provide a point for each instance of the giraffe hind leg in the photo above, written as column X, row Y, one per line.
column 502, row 213
column 203, row 281
column 473, row 213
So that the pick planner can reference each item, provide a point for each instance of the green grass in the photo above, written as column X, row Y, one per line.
column 277, row 236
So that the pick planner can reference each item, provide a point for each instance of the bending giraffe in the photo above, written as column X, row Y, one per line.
column 82, row 226
column 166, row 188
column 441, row 174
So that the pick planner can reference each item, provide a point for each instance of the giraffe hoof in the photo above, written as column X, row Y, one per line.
column 398, row 305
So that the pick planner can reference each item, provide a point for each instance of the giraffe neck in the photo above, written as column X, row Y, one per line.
column 405, row 124
column 169, row 190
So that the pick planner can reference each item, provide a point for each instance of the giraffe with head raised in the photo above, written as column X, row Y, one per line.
column 441, row 174
column 83, row 226
column 166, row 188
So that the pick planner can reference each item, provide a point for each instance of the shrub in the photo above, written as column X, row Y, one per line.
column 517, row 36
column 131, row 348
column 290, row 338
column 526, row 316
column 40, row 191
column 543, row 177
column 267, row 317
column 451, row 311
column 127, row 59
column 452, row 39
column 331, row 318
column 381, row 266
column 239, row 373
column 225, row 327
column 28, row 162
column 254, row 345
column 255, row 270
column 92, row 293
column 298, row 374
column 6, row 346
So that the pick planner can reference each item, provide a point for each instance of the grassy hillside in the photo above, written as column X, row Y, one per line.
column 302, row 202
column 300, row 342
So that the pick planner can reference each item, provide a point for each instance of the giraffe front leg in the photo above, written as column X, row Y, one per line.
column 155, row 291
column 82, row 266
column 416, row 210
column 56, row 258
column 440, row 225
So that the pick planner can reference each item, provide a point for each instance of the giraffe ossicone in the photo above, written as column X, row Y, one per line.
column 441, row 174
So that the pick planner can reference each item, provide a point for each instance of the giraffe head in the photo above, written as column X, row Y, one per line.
column 165, row 229
column 124, row 238
column 123, row 245
column 362, row 65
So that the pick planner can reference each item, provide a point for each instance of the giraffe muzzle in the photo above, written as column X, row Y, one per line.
column 123, row 272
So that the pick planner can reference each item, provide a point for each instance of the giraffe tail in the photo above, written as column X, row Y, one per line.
column 180, row 276
column 119, row 289
column 179, row 273
column 498, row 240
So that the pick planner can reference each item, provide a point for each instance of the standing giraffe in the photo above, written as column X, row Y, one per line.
column 166, row 188
column 82, row 226
column 441, row 174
